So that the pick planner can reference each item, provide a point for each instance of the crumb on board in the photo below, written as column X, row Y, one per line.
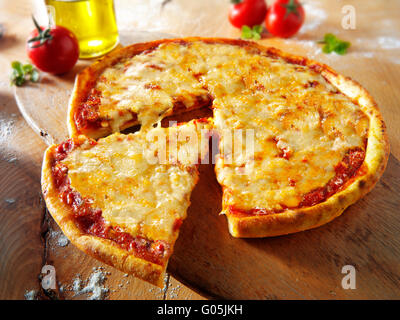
column 173, row 292
column 10, row 200
column 60, row 239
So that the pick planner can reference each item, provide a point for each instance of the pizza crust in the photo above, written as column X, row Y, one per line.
column 101, row 249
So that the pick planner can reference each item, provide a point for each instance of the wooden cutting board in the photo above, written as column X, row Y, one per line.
column 306, row 265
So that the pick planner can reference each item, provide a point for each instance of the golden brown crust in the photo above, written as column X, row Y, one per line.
column 101, row 249
column 290, row 221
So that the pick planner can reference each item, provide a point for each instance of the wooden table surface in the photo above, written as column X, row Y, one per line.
column 28, row 237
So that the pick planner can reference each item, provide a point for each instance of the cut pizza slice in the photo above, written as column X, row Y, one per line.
column 310, row 143
column 122, row 199
column 135, row 85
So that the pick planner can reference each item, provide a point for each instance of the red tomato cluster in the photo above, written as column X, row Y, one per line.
column 282, row 19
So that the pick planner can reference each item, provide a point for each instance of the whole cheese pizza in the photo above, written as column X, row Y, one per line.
column 298, row 143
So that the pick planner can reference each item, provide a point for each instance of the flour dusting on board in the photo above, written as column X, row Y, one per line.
column 383, row 37
column 6, row 125
column 315, row 16
column 389, row 42
column 10, row 201
column 7, row 128
column 94, row 286
column 30, row 295
column 61, row 239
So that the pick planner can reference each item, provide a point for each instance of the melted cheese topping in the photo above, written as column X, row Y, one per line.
column 302, row 129
column 148, row 85
column 302, row 126
column 133, row 191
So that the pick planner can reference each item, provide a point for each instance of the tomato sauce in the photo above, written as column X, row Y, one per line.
column 87, row 115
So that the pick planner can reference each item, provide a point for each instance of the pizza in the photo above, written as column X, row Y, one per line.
column 120, row 199
column 298, row 143
column 138, row 88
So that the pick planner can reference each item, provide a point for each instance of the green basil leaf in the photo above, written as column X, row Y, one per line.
column 252, row 33
column 258, row 29
column 19, row 81
column 330, row 38
column 246, row 32
column 27, row 68
column 341, row 47
column 333, row 44
column 326, row 49
column 17, row 66
column 22, row 72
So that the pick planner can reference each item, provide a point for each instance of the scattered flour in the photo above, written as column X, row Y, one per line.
column 6, row 126
column 368, row 55
column 61, row 288
column 382, row 37
column 389, row 43
column 30, row 295
column 173, row 292
column 382, row 42
column 10, row 200
column 371, row 47
column 77, row 283
column 62, row 240
column 95, row 285
column 315, row 16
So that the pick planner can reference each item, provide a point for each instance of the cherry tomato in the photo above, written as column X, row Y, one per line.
column 54, row 50
column 284, row 18
column 247, row 13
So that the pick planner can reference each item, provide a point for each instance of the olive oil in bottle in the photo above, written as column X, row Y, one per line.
column 92, row 21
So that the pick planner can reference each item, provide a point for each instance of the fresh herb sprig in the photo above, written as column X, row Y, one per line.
column 23, row 72
column 252, row 33
column 334, row 44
